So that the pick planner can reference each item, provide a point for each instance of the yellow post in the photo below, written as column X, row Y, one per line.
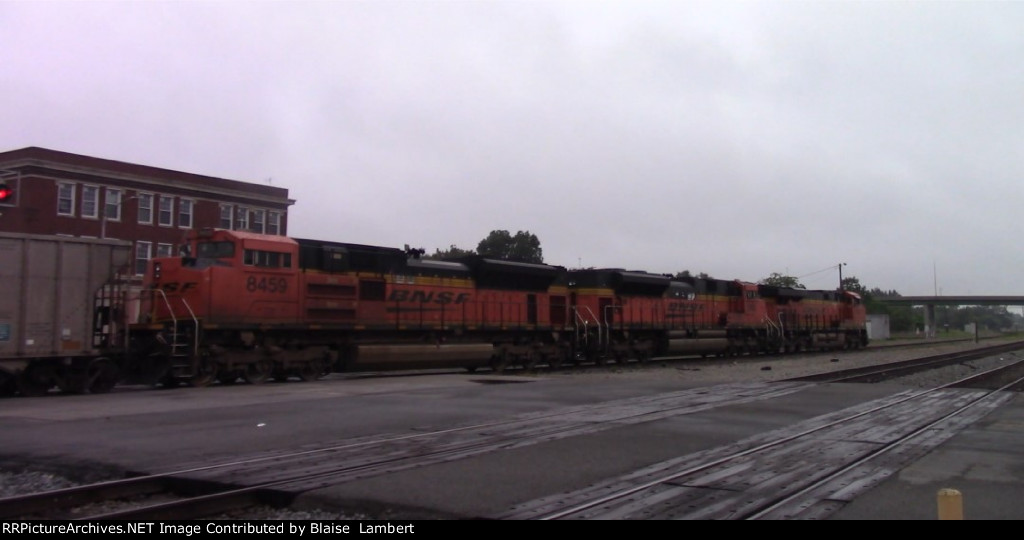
column 951, row 505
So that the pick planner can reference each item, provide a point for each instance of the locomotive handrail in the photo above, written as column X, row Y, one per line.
column 174, row 319
column 195, row 323
column 586, row 323
column 608, row 326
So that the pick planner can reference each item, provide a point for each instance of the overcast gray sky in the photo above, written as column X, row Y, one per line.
column 733, row 138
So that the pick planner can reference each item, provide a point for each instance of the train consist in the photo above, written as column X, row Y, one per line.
column 244, row 306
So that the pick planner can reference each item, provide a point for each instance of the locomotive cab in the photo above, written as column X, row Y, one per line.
column 227, row 276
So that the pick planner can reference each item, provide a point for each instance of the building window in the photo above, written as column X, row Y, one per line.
column 241, row 219
column 166, row 214
column 90, row 201
column 165, row 250
column 112, row 205
column 185, row 207
column 273, row 222
column 257, row 221
column 65, row 199
column 225, row 216
column 143, row 251
column 145, row 208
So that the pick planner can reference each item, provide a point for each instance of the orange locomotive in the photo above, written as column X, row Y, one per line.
column 251, row 306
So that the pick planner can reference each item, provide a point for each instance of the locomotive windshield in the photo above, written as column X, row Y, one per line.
column 215, row 250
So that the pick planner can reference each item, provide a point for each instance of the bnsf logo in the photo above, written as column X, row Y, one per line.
column 677, row 307
column 426, row 297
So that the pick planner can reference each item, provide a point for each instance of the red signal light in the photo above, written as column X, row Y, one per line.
column 6, row 193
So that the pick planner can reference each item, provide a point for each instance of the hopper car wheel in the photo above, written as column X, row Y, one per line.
column 227, row 377
column 34, row 381
column 311, row 371
column 103, row 376
column 8, row 384
column 169, row 381
column 258, row 372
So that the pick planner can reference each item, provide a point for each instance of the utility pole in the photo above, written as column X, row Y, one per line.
column 841, row 265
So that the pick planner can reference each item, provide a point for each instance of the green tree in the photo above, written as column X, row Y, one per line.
column 453, row 252
column 780, row 280
column 523, row 247
column 901, row 318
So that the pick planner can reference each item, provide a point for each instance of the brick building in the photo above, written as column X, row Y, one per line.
column 59, row 193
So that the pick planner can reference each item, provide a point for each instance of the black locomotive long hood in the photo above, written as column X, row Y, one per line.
column 499, row 274
column 639, row 283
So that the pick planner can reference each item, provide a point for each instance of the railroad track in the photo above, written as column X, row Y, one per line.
column 200, row 490
column 892, row 370
column 806, row 471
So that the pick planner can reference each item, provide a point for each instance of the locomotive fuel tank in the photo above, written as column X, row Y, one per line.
column 414, row 356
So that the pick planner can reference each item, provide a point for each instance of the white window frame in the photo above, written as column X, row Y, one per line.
column 186, row 211
column 165, row 209
column 145, row 208
column 66, row 193
column 226, row 221
column 90, row 201
column 241, row 218
column 256, row 220
column 112, row 200
column 273, row 222
column 143, row 253
column 165, row 250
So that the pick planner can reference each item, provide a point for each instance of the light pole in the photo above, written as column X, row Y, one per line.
column 103, row 219
column 841, row 265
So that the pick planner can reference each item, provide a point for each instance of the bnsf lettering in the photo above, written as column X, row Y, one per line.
column 175, row 287
column 266, row 284
column 425, row 297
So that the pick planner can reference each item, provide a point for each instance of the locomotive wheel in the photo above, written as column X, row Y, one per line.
column 34, row 381
column 205, row 374
column 499, row 361
column 530, row 360
column 227, row 377
column 556, row 360
column 102, row 376
column 259, row 371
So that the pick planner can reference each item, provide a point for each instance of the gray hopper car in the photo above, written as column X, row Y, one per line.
column 57, row 319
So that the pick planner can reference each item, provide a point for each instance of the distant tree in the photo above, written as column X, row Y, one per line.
column 687, row 274
column 901, row 318
column 779, row 280
column 453, row 252
column 523, row 247
column 853, row 284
